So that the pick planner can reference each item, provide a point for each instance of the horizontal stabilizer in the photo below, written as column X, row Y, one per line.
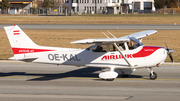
column 24, row 58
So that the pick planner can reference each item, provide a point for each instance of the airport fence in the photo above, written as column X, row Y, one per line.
column 67, row 12
column 35, row 11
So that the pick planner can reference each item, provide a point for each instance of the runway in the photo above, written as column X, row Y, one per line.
column 98, row 26
column 44, row 82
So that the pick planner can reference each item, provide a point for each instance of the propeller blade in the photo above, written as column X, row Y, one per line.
column 169, row 51
column 170, row 56
column 165, row 43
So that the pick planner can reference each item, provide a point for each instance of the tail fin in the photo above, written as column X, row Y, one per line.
column 17, row 38
column 20, row 43
column 23, row 47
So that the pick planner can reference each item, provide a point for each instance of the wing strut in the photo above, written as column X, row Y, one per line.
column 111, row 34
column 105, row 34
column 122, row 55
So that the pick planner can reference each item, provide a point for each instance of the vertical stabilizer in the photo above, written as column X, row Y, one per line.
column 17, row 38
column 23, row 47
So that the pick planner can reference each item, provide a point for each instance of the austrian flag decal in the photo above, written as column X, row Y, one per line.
column 16, row 32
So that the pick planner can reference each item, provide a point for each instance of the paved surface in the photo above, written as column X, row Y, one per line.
column 98, row 26
column 42, row 82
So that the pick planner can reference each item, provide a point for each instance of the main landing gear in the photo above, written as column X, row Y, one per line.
column 110, row 79
column 152, row 75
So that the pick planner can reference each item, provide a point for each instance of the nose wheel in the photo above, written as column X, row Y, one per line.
column 152, row 75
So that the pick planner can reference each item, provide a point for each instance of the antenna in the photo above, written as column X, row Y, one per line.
column 111, row 34
column 104, row 34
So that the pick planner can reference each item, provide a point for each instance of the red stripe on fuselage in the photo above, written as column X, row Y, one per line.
column 28, row 50
column 146, row 51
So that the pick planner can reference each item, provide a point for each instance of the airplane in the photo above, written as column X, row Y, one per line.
column 121, row 55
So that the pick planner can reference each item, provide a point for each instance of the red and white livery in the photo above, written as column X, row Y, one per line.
column 121, row 55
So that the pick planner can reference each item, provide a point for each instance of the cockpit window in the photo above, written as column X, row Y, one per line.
column 121, row 46
column 99, row 48
column 113, row 48
column 89, row 48
column 134, row 43
column 131, row 45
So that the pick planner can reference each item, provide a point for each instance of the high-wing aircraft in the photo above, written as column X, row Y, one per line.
column 121, row 55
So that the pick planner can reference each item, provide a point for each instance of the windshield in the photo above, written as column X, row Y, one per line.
column 134, row 43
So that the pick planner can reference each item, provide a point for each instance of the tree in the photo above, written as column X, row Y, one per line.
column 5, row 4
column 48, row 4
column 172, row 3
column 165, row 3
column 159, row 3
column 38, row 3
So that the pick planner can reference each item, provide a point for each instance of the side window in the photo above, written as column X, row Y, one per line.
column 130, row 45
column 113, row 48
column 100, row 48
column 89, row 48
column 121, row 46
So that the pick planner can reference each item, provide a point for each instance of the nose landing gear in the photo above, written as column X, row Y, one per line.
column 152, row 75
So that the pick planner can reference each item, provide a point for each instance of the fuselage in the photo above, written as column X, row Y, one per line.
column 143, row 56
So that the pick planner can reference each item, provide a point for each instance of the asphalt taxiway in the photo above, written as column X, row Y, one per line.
column 43, row 82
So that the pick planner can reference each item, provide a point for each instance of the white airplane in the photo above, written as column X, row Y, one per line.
column 121, row 55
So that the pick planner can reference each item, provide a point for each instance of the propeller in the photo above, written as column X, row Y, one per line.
column 169, row 51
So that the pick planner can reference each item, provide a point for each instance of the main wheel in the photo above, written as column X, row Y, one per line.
column 154, row 76
column 110, row 79
column 124, row 76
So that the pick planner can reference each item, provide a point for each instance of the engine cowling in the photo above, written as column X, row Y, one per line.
column 108, row 75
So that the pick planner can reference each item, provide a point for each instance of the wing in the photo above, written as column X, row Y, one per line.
column 141, row 34
column 107, row 40
column 137, row 35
